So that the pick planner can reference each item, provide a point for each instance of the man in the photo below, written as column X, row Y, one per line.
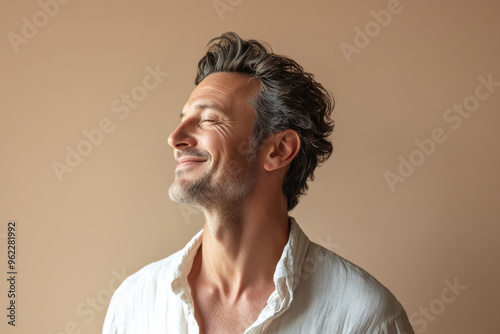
column 251, row 135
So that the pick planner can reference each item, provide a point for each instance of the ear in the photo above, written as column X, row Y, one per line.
column 282, row 147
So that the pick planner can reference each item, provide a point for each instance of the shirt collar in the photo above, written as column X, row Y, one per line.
column 286, row 275
column 182, row 268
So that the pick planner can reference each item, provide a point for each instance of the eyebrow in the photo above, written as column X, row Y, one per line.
column 203, row 106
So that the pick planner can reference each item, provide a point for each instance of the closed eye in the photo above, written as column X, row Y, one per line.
column 208, row 121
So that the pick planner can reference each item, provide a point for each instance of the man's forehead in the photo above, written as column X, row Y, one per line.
column 205, row 99
column 221, row 90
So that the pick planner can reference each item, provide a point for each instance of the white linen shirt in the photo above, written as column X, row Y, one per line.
column 317, row 291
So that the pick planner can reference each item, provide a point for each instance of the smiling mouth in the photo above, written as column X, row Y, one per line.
column 188, row 161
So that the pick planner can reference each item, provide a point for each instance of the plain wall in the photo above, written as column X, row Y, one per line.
column 109, row 214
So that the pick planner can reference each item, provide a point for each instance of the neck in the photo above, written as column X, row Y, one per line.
column 241, row 248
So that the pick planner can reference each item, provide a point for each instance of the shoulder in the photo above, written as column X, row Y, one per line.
column 132, row 305
column 142, row 287
column 351, row 292
column 332, row 268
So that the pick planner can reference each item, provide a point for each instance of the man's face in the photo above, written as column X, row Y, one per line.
column 214, row 167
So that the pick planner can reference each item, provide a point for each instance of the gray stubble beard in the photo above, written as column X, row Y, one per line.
column 225, row 196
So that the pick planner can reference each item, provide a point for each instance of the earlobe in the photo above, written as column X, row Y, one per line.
column 283, row 147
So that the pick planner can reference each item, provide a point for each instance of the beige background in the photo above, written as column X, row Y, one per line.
column 111, row 214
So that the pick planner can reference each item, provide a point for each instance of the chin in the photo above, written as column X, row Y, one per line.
column 180, row 192
column 176, row 192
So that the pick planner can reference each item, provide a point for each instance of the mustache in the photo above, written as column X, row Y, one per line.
column 192, row 152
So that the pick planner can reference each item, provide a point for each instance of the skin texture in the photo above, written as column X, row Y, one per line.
column 239, row 191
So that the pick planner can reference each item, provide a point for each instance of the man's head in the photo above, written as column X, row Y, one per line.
column 285, row 97
column 288, row 98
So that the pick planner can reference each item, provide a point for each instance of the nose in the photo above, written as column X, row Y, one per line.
column 181, row 137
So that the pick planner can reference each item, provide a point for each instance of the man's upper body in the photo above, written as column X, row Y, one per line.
column 251, row 135
column 315, row 291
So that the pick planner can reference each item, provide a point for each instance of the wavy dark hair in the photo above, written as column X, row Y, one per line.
column 289, row 98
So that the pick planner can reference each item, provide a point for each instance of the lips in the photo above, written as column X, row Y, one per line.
column 186, row 161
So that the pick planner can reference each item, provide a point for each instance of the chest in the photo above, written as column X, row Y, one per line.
column 220, row 316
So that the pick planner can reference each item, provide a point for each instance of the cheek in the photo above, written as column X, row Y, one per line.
column 224, row 134
column 234, row 169
column 220, row 142
column 227, row 147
